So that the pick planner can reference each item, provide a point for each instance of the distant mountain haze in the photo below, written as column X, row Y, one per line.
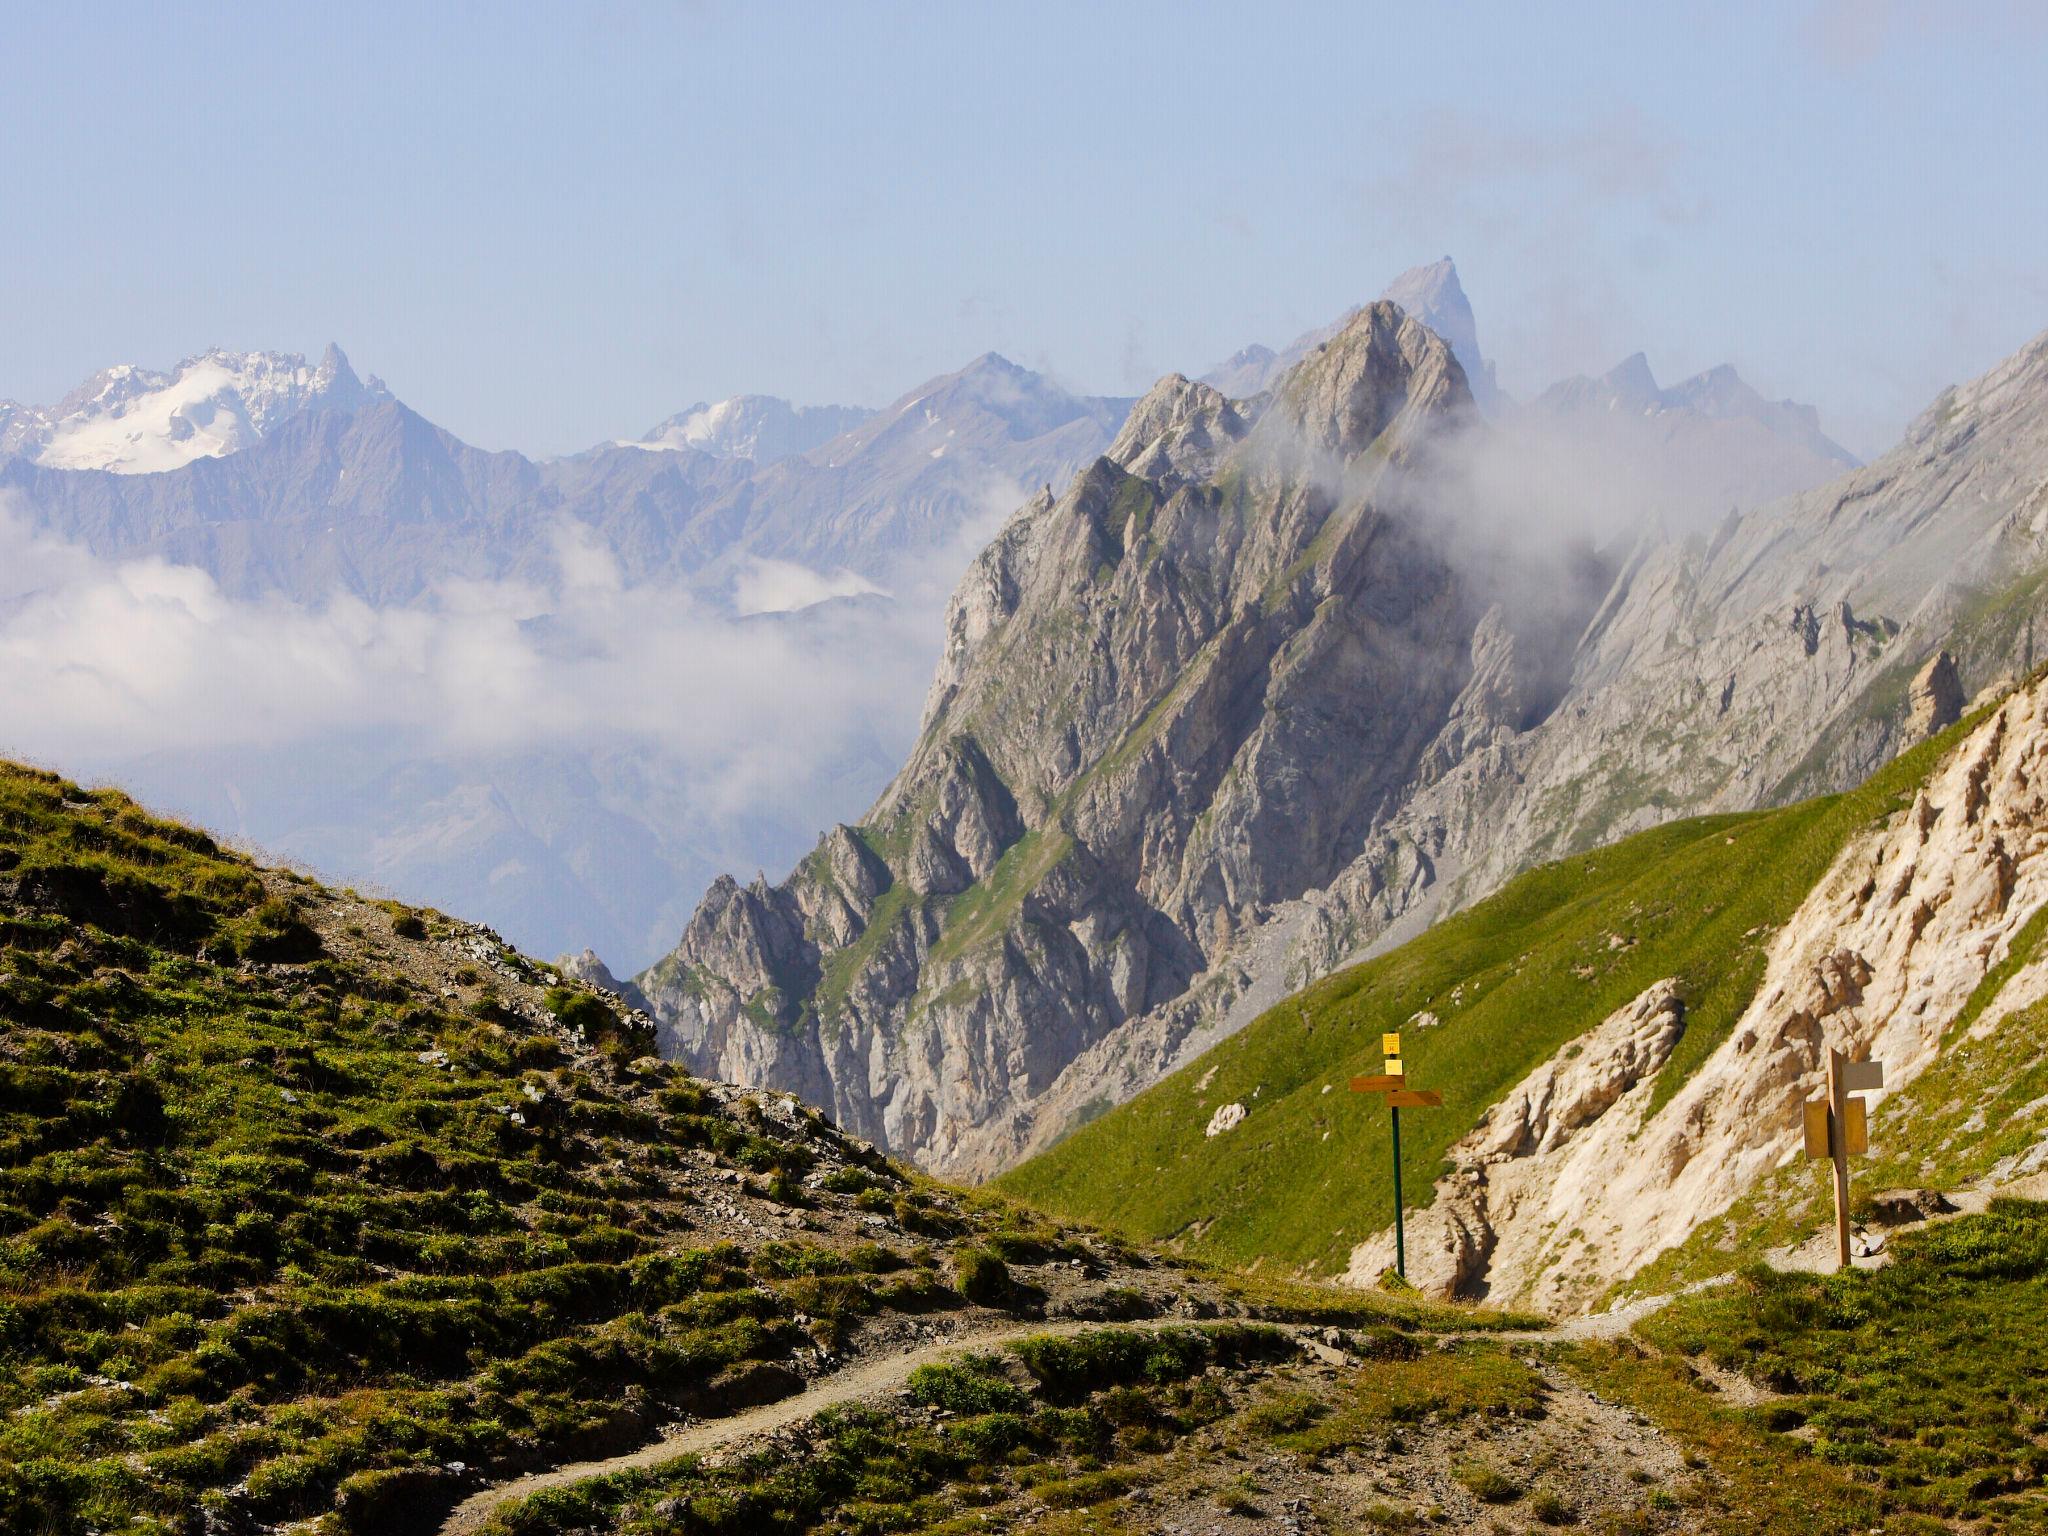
column 605, row 588
column 265, row 480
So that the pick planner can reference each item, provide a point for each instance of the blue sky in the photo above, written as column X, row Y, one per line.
column 547, row 225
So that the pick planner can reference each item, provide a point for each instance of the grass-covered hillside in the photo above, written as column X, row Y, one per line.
column 317, row 1208
column 1508, row 982
column 1911, row 1398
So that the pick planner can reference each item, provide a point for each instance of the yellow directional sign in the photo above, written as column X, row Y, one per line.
column 1855, row 1128
column 1816, row 1127
column 1838, row 1128
column 1394, row 1084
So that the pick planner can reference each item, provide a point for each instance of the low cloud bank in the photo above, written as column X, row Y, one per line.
column 556, row 731
column 102, row 658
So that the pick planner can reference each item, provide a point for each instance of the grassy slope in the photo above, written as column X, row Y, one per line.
column 263, row 1252
column 1910, row 1397
column 1513, row 979
column 302, row 1211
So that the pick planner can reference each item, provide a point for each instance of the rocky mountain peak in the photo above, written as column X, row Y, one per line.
column 1433, row 295
column 1178, row 430
column 1630, row 383
column 1382, row 365
column 1430, row 294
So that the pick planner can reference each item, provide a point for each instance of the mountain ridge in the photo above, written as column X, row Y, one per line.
column 1541, row 735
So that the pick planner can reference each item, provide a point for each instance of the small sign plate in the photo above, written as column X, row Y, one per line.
column 1390, row 1045
column 1378, row 1082
column 1816, row 1127
column 1856, row 1128
column 1862, row 1076
column 1416, row 1098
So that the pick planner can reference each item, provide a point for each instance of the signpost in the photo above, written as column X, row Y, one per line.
column 1393, row 1082
column 1838, row 1128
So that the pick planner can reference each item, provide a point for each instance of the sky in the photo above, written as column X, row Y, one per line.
column 547, row 226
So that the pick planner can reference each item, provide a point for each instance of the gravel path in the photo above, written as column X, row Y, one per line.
column 868, row 1379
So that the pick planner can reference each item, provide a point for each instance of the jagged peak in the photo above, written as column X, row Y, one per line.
column 1350, row 389
column 1632, row 380
column 1177, row 430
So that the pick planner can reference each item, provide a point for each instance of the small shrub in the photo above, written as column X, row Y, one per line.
column 981, row 1277
column 1392, row 1517
column 1487, row 1483
column 973, row 1385
column 1548, row 1509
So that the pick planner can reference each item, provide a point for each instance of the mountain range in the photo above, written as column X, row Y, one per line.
column 288, row 480
column 349, row 494
column 351, row 491
column 1278, row 681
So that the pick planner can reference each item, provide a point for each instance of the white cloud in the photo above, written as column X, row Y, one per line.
column 107, row 659
column 783, row 586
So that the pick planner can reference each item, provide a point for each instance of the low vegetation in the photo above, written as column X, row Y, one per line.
column 1096, row 1404
column 1916, row 1390
column 311, row 1204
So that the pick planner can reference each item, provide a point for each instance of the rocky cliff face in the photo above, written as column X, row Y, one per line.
column 1249, row 701
column 1573, row 1181
column 1172, row 700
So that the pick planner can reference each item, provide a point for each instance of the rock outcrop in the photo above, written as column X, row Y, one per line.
column 1936, row 700
column 1573, row 1180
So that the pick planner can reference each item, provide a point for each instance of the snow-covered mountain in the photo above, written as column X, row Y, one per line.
column 136, row 421
column 593, row 841
column 761, row 428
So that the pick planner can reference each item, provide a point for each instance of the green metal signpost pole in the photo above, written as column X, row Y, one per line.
column 1400, row 1237
column 1395, row 1086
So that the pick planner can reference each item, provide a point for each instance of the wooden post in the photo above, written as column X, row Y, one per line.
column 1837, row 1129
column 1838, row 1150
column 1400, row 1237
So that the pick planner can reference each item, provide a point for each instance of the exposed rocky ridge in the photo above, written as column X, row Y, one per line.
column 1172, row 698
column 1574, row 1181
column 1211, row 790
